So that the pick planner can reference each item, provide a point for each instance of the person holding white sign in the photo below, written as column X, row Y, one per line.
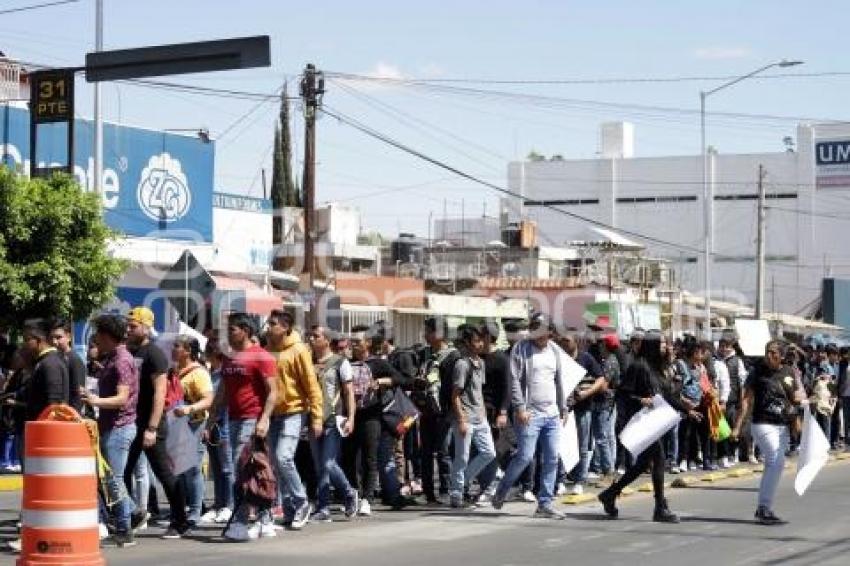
column 771, row 394
column 645, row 378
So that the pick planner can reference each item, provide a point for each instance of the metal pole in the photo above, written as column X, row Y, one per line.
column 707, row 204
column 98, row 118
column 760, row 247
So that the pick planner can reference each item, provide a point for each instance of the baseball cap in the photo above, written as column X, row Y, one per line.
column 142, row 315
column 611, row 341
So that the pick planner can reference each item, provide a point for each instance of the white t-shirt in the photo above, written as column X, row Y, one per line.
column 542, row 393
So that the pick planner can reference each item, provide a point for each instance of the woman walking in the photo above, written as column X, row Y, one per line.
column 772, row 395
column 646, row 377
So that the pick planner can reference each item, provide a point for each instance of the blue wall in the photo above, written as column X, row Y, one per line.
column 155, row 183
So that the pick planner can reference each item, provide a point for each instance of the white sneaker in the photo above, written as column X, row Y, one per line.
column 528, row 497
column 238, row 532
column 483, row 500
column 102, row 531
column 267, row 529
column 562, row 489
column 500, row 474
column 208, row 518
column 577, row 489
column 14, row 545
column 223, row 515
column 365, row 509
column 593, row 476
column 683, row 467
column 254, row 531
column 724, row 463
column 621, row 471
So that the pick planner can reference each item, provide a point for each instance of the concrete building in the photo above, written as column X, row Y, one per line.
column 662, row 197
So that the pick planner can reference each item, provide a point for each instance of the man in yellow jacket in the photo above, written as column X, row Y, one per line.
column 299, row 398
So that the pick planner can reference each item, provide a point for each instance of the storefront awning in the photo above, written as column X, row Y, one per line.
column 257, row 299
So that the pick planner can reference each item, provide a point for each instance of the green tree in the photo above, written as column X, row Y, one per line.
column 53, row 250
column 534, row 156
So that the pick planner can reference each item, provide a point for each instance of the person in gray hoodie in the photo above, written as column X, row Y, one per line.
column 539, row 403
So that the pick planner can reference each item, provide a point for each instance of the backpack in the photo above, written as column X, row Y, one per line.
column 256, row 485
column 405, row 361
column 361, row 383
column 691, row 388
column 445, row 370
column 174, row 393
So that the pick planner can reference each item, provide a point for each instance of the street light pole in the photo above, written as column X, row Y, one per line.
column 707, row 189
column 98, row 114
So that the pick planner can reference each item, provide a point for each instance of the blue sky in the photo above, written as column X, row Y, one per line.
column 495, row 40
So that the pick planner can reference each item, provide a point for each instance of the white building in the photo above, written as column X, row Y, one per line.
column 662, row 197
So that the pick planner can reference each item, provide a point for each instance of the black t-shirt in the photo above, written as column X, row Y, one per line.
column 594, row 371
column 76, row 379
column 150, row 361
column 497, row 381
column 772, row 391
column 48, row 384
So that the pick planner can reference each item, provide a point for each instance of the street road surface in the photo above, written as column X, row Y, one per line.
column 717, row 528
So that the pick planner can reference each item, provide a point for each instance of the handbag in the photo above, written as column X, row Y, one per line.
column 398, row 412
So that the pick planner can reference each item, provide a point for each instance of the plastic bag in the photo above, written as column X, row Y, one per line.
column 180, row 444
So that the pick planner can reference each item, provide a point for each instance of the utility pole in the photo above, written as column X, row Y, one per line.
column 97, row 184
column 312, row 89
column 760, row 267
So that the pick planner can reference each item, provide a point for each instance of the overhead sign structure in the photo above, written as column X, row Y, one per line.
column 178, row 59
column 187, row 286
column 51, row 102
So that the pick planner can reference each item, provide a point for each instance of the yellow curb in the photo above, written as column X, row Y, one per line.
column 684, row 482
column 743, row 472
column 627, row 491
column 11, row 483
column 758, row 469
column 577, row 499
column 713, row 477
column 843, row 456
column 647, row 487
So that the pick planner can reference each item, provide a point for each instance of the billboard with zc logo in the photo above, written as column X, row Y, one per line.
column 154, row 183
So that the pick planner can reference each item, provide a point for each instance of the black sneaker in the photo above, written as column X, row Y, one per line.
column 174, row 531
column 664, row 515
column 765, row 516
column 124, row 539
column 548, row 512
column 498, row 500
column 608, row 500
column 139, row 520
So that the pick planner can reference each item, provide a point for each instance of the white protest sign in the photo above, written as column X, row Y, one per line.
column 814, row 453
column 648, row 425
column 568, row 443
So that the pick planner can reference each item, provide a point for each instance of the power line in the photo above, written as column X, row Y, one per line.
column 559, row 100
column 37, row 6
column 381, row 137
column 620, row 80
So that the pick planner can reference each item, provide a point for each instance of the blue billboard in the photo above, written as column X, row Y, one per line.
column 155, row 184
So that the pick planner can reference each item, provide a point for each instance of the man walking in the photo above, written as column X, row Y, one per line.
column 540, row 402
column 299, row 396
column 468, row 416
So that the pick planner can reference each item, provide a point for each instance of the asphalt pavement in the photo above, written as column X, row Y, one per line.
column 717, row 528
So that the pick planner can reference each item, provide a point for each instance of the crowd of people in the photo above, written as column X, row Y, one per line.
column 484, row 421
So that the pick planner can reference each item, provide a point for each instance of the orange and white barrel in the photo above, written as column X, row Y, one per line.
column 59, row 510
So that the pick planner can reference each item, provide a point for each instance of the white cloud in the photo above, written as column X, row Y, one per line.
column 721, row 53
column 384, row 70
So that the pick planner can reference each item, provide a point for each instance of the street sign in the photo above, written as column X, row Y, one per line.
column 51, row 102
column 52, row 96
column 187, row 285
column 178, row 58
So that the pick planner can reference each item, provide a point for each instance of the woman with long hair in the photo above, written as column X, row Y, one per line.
column 646, row 377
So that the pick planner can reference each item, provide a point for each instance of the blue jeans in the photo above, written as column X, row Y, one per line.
column 115, row 446
column 772, row 440
column 603, row 437
column 193, row 478
column 221, row 466
column 671, row 446
column 584, row 422
column 284, row 433
column 464, row 470
column 547, row 430
column 325, row 451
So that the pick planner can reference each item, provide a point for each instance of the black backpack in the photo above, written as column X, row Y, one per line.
column 405, row 361
column 446, row 369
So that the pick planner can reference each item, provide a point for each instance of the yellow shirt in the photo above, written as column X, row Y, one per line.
column 196, row 383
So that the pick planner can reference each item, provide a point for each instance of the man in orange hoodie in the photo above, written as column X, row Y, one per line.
column 299, row 399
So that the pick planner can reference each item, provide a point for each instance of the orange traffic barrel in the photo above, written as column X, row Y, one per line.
column 59, row 511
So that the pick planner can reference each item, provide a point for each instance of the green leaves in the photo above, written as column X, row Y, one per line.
column 53, row 250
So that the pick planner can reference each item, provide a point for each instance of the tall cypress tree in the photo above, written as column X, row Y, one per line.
column 290, row 190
